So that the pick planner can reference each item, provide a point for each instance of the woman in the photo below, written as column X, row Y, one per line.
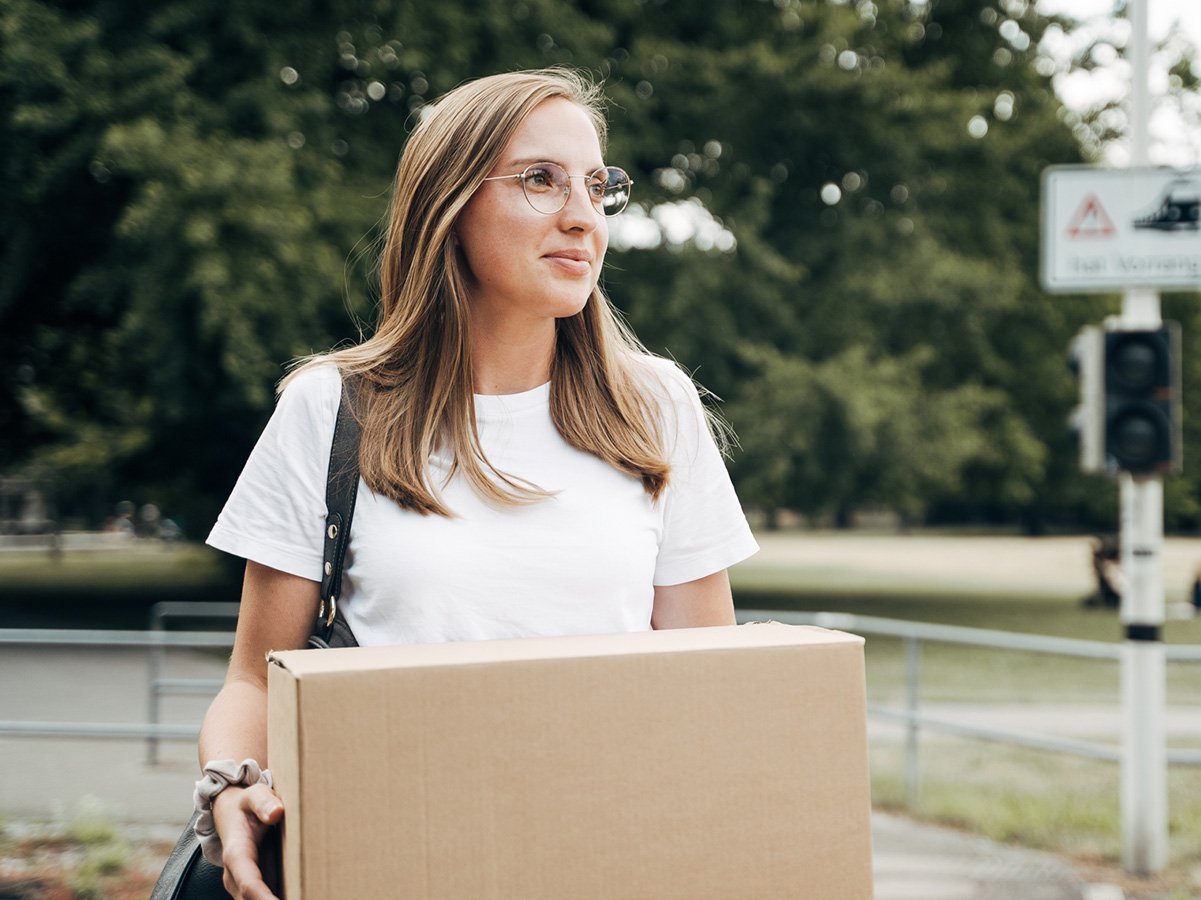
column 527, row 469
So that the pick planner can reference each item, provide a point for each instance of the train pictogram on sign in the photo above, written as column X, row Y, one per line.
column 1178, row 209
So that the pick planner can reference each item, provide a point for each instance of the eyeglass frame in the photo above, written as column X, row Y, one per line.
column 524, row 173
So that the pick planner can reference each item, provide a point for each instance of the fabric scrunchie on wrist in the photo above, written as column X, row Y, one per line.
column 218, row 775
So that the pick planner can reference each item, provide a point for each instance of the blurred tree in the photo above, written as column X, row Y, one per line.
column 855, row 430
column 879, row 165
column 168, row 242
column 193, row 190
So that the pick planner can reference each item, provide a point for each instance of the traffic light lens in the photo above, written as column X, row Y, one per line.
column 1137, row 439
column 1135, row 364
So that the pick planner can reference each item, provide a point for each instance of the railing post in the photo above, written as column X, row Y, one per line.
column 913, row 675
column 155, row 674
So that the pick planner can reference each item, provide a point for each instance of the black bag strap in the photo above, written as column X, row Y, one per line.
column 341, row 489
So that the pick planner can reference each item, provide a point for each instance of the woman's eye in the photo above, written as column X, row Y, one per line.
column 541, row 179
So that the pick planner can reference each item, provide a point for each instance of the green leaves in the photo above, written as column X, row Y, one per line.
column 193, row 191
column 179, row 240
column 858, row 430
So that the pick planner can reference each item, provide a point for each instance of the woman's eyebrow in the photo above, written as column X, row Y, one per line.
column 529, row 161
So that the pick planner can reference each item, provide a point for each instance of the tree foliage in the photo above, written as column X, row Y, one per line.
column 193, row 190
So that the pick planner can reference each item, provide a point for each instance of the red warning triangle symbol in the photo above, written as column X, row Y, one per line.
column 1091, row 220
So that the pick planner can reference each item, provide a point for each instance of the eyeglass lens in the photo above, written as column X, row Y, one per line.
column 547, row 187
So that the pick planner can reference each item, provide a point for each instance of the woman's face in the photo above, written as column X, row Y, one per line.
column 526, row 267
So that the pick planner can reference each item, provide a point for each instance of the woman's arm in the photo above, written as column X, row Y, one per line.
column 706, row 601
column 277, row 613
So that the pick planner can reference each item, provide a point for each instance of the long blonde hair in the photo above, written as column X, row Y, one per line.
column 415, row 386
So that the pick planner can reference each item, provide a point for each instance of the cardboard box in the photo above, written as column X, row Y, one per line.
column 701, row 763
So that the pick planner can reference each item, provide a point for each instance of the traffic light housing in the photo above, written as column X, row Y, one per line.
column 1142, row 400
column 1128, row 417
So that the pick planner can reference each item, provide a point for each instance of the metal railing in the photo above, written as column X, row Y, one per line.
column 914, row 720
column 160, row 685
column 153, row 641
column 157, row 640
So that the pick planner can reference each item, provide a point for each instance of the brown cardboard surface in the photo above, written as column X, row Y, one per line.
column 716, row 762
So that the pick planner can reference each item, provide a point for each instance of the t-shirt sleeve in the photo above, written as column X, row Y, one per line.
column 276, row 513
column 704, row 528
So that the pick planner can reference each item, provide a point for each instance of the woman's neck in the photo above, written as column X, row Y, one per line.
column 512, row 363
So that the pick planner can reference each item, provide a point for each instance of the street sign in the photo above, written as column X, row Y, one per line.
column 1107, row 229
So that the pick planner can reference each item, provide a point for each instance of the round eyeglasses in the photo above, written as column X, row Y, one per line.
column 547, row 187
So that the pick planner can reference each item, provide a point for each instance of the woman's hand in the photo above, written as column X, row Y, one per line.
column 244, row 818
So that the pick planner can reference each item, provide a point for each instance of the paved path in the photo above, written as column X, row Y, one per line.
column 921, row 862
column 912, row 861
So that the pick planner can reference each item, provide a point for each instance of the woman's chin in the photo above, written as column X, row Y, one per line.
column 569, row 307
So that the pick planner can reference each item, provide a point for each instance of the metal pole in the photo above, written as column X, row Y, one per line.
column 1144, row 752
column 1144, row 760
column 156, row 674
column 1139, row 113
column 913, row 675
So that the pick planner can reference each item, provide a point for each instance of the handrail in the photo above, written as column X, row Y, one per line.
column 951, row 634
column 1000, row 735
column 959, row 634
column 1182, row 652
column 82, row 637
column 101, row 730
column 913, row 633
column 158, row 640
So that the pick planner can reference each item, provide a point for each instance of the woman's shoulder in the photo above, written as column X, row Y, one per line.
column 676, row 399
column 313, row 390
column 663, row 380
column 315, row 378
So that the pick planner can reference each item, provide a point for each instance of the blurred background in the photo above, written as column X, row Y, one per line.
column 836, row 228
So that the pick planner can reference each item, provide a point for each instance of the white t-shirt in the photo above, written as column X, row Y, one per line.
column 584, row 561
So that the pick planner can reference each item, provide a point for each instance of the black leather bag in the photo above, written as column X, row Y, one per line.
column 187, row 875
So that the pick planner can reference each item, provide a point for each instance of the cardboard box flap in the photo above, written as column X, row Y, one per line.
column 730, row 637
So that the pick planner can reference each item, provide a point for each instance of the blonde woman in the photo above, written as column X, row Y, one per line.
column 527, row 468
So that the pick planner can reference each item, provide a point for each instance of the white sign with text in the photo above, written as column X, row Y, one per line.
column 1107, row 229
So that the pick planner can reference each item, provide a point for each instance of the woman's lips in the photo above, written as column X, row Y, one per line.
column 570, row 263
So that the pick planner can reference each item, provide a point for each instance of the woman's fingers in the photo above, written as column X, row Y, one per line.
column 245, row 826
column 241, row 858
column 265, row 805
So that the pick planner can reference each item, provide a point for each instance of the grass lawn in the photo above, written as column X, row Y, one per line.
column 1044, row 800
column 109, row 588
column 1007, row 583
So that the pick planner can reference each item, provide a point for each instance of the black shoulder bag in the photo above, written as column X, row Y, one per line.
column 187, row 875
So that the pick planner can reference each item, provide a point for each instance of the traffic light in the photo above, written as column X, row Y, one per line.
column 1142, row 400
column 1128, row 417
